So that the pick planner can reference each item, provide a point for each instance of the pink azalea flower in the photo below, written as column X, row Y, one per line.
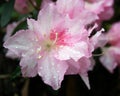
column 23, row 6
column 71, row 7
column 81, row 67
column 111, row 57
column 76, row 9
column 113, row 34
column 50, row 45
column 9, row 30
column 103, row 8
column 99, row 39
column 45, row 3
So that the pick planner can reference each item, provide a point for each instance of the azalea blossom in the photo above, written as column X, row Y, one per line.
column 9, row 31
column 111, row 58
column 23, row 6
column 111, row 55
column 45, row 3
column 81, row 67
column 103, row 8
column 112, row 35
column 53, row 44
column 74, row 9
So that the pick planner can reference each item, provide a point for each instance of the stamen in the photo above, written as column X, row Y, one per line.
column 38, row 50
column 99, row 54
column 56, row 37
column 44, row 35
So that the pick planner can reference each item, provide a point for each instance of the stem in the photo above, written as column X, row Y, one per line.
column 4, row 76
column 34, row 5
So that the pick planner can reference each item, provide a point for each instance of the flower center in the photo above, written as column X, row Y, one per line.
column 50, row 43
column 59, row 38
column 53, row 41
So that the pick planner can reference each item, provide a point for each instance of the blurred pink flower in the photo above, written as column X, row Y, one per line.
column 75, row 9
column 113, row 34
column 23, row 6
column 45, row 3
column 111, row 57
column 53, row 44
column 81, row 67
column 70, row 7
column 9, row 31
column 103, row 8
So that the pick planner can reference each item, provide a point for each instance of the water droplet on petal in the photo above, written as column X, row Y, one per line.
column 41, row 68
column 32, row 50
column 38, row 50
column 58, row 71
column 53, row 64
column 23, row 55
column 54, row 77
column 39, row 57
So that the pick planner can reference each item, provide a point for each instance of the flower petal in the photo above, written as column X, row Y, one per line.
column 70, row 7
column 47, row 18
column 29, row 66
column 11, row 54
column 108, row 59
column 75, row 52
column 21, row 42
column 80, row 67
column 52, row 71
column 85, row 79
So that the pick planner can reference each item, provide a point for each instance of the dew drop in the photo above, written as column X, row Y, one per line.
column 32, row 50
column 36, row 40
column 41, row 68
column 58, row 71
column 54, row 77
column 38, row 50
column 53, row 64
column 39, row 57
column 23, row 55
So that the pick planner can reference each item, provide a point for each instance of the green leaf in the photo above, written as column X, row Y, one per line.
column 22, row 25
column 34, row 14
column 38, row 2
column 16, row 73
column 1, row 8
column 7, row 12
